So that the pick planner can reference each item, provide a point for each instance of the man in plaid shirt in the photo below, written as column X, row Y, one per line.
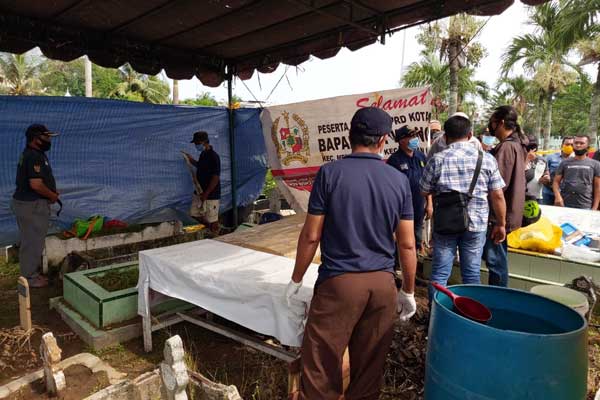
column 452, row 170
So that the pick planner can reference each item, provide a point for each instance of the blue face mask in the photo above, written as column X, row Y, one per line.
column 488, row 140
column 413, row 143
column 200, row 147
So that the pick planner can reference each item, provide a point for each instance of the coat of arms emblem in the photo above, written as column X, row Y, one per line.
column 290, row 137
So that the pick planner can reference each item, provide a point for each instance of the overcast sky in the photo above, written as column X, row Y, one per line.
column 372, row 68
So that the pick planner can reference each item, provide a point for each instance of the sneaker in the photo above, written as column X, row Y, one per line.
column 38, row 282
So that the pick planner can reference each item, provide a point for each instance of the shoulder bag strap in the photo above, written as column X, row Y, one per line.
column 476, row 173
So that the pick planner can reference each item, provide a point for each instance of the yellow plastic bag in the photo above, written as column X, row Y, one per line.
column 542, row 236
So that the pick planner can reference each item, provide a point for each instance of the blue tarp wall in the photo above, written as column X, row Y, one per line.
column 122, row 159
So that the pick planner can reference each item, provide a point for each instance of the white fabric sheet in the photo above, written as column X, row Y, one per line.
column 242, row 285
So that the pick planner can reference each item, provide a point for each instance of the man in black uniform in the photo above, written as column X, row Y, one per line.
column 36, row 190
column 205, row 206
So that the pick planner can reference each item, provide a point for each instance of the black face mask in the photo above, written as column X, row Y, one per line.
column 580, row 152
column 44, row 146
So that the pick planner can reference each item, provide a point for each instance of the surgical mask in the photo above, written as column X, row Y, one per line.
column 200, row 147
column 581, row 152
column 382, row 154
column 567, row 149
column 488, row 140
column 44, row 145
column 413, row 143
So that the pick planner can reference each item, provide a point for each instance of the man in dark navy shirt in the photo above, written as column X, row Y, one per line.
column 36, row 190
column 356, row 208
column 205, row 205
column 411, row 161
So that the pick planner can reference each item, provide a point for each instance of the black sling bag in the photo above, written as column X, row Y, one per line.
column 450, row 216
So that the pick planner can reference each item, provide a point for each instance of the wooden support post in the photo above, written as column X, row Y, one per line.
column 24, row 303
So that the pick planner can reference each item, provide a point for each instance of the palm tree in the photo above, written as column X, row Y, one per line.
column 458, row 50
column 580, row 24
column 430, row 71
column 19, row 74
column 544, row 55
column 140, row 87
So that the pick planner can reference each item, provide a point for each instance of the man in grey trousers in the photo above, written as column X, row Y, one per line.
column 36, row 190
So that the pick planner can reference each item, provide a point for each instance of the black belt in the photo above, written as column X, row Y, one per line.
column 60, row 207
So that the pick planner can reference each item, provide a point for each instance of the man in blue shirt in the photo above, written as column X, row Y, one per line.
column 553, row 161
column 411, row 161
column 356, row 207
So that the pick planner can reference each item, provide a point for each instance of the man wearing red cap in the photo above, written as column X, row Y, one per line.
column 36, row 190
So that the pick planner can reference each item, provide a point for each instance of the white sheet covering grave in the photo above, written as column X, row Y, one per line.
column 242, row 285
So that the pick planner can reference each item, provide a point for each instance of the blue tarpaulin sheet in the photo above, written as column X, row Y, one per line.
column 123, row 159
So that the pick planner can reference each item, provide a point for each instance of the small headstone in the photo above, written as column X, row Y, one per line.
column 24, row 304
column 173, row 371
column 51, row 356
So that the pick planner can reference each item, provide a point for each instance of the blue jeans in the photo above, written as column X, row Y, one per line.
column 470, row 247
column 496, row 260
column 547, row 198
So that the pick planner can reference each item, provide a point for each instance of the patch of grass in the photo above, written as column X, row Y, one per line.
column 115, row 280
column 9, row 270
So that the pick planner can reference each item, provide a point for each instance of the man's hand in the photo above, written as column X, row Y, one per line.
column 291, row 290
column 559, row 202
column 498, row 234
column 407, row 306
column 53, row 198
column 545, row 180
column 429, row 211
column 188, row 155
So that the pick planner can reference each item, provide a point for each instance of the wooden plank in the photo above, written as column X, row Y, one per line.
column 24, row 303
column 275, row 351
column 279, row 238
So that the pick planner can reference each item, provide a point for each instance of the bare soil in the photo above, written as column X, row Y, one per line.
column 81, row 383
column 256, row 375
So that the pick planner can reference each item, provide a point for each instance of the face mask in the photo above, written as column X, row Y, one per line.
column 200, row 147
column 488, row 140
column 45, row 146
column 581, row 152
column 413, row 143
column 567, row 149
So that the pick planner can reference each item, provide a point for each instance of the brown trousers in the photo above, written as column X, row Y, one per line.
column 354, row 310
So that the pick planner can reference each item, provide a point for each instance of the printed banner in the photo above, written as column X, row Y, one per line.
column 301, row 137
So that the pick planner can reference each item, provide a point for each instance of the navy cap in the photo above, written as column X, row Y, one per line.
column 404, row 131
column 371, row 121
column 36, row 130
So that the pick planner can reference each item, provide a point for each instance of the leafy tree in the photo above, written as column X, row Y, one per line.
column 57, row 77
column 448, row 63
column 571, row 107
column 20, row 74
column 544, row 55
column 204, row 99
column 139, row 87
column 580, row 24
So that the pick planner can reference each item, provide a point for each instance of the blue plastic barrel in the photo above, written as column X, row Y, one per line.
column 533, row 348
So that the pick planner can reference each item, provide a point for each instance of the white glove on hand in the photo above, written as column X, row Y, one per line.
column 292, row 289
column 407, row 306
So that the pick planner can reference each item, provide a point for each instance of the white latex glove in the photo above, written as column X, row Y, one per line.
column 407, row 306
column 292, row 289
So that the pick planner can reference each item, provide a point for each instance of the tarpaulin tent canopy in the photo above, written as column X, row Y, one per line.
column 218, row 39
column 208, row 39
